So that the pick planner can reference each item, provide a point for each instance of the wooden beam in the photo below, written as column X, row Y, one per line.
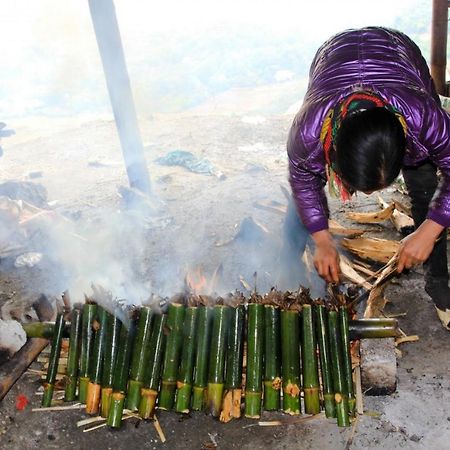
column 439, row 31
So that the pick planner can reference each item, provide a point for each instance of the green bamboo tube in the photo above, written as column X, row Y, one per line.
column 120, row 376
column 87, row 341
column 74, row 355
column 290, row 361
column 309, row 362
column 216, row 370
column 337, row 367
column 231, row 404
column 149, row 391
column 44, row 329
column 96, row 364
column 373, row 328
column 347, row 359
column 272, row 358
column 325, row 361
column 53, row 361
column 185, row 374
column 140, row 357
column 255, row 352
column 204, row 328
column 175, row 319
column 113, row 326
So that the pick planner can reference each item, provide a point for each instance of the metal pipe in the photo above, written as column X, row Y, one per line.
column 109, row 42
column 439, row 30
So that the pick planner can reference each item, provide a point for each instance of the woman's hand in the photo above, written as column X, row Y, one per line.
column 326, row 257
column 416, row 247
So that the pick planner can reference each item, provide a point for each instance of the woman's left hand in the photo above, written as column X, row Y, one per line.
column 416, row 247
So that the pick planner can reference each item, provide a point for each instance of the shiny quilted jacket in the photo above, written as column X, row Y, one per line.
column 389, row 64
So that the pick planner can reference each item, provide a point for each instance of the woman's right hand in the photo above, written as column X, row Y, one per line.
column 326, row 256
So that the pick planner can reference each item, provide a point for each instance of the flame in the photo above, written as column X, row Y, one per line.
column 196, row 281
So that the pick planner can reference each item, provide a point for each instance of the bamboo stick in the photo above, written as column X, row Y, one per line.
column 216, row 370
column 325, row 360
column 231, row 404
column 338, row 371
column 272, row 358
column 347, row 359
column 185, row 375
column 111, row 343
column 74, row 355
column 309, row 358
column 149, row 391
column 87, row 340
column 290, row 361
column 53, row 362
column 204, row 325
column 120, row 376
column 255, row 348
column 172, row 354
column 139, row 359
column 96, row 364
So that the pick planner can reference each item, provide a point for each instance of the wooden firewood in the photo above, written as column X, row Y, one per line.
column 372, row 217
column 401, row 221
column 380, row 250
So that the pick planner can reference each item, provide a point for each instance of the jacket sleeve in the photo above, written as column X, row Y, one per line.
column 307, row 179
column 435, row 136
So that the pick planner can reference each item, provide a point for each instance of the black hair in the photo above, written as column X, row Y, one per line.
column 370, row 146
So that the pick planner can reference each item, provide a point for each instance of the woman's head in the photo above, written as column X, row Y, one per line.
column 370, row 146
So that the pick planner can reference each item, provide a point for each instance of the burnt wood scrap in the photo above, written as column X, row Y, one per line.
column 228, row 356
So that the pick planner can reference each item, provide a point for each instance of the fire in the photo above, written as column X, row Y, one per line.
column 196, row 280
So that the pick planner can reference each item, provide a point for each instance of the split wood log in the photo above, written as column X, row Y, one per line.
column 337, row 229
column 380, row 250
column 402, row 223
column 372, row 217
column 13, row 369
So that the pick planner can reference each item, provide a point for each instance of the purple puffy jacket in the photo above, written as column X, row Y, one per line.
column 389, row 64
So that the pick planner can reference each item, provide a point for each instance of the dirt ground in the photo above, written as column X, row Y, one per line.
column 80, row 165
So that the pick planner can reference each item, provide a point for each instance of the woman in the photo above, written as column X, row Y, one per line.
column 371, row 110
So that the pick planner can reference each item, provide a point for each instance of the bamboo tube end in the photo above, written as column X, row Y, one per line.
column 183, row 398
column 48, row 395
column 83, row 388
column 227, row 407
column 215, row 394
column 93, row 398
column 106, row 401
column 343, row 419
column 133, row 394
column 167, row 395
column 70, row 392
column 330, row 406
column 237, row 396
column 312, row 400
column 147, row 403
column 272, row 394
column 253, row 405
column 198, row 398
column 116, row 410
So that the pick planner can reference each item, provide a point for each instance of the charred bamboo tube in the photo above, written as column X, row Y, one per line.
column 255, row 348
column 96, row 364
column 53, row 361
column 74, row 355
column 290, row 361
column 347, row 359
column 217, row 358
column 87, row 340
column 120, row 376
column 149, row 391
column 185, row 374
column 140, row 356
column 204, row 326
column 325, row 361
column 111, row 344
column 231, row 405
column 175, row 319
column 337, row 365
column 309, row 359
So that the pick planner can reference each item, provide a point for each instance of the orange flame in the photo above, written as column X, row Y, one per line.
column 196, row 281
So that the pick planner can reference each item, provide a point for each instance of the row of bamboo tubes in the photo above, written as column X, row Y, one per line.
column 280, row 351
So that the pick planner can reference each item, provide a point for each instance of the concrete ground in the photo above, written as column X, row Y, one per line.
column 416, row 416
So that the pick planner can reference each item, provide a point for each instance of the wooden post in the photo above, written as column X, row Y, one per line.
column 439, row 30
column 109, row 42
